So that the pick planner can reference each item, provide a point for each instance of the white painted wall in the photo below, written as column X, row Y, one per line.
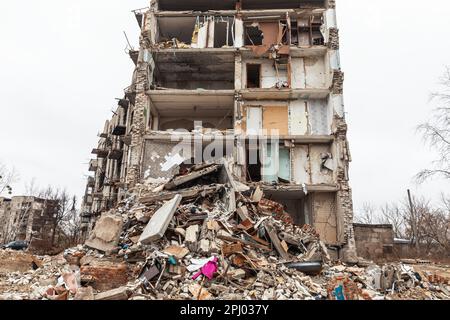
column 319, row 119
column 298, row 79
column 300, row 163
column 319, row 176
column 254, row 120
column 315, row 72
column 298, row 120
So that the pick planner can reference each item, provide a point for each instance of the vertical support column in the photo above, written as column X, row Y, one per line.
column 239, row 33
column 238, row 72
column 138, row 125
column 340, row 148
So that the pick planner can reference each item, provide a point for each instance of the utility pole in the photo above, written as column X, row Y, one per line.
column 413, row 222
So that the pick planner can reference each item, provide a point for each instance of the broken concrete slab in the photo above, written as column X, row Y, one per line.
column 115, row 294
column 186, row 194
column 106, row 234
column 85, row 293
column 178, row 181
column 158, row 224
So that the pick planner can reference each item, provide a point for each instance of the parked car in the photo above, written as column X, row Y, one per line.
column 16, row 245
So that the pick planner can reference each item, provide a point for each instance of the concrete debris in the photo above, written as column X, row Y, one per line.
column 195, row 248
column 160, row 221
column 115, row 294
column 106, row 233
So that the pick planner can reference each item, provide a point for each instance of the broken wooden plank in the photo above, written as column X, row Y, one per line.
column 157, row 226
column 276, row 241
column 248, row 243
column 228, row 249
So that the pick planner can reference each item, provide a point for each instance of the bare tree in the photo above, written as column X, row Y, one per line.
column 65, row 205
column 367, row 214
column 31, row 188
column 436, row 225
column 393, row 214
column 436, row 132
column 71, row 221
column 7, row 178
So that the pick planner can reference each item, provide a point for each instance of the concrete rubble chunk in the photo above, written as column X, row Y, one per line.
column 204, row 246
column 115, row 294
column 106, row 234
column 85, row 293
column 158, row 224
column 192, row 237
column 191, row 176
column 238, row 274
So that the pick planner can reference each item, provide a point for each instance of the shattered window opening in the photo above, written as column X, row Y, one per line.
column 253, row 76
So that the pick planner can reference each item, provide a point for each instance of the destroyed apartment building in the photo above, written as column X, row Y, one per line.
column 29, row 219
column 253, row 86
column 223, row 172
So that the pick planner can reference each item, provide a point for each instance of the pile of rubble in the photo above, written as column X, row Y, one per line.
column 203, row 236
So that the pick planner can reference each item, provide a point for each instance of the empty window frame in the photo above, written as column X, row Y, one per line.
column 223, row 33
column 253, row 35
column 309, row 31
column 253, row 76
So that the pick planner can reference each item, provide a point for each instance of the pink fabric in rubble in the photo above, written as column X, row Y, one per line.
column 207, row 270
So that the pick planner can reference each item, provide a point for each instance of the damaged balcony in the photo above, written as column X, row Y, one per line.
column 119, row 126
column 279, row 32
column 91, row 182
column 115, row 154
column 180, row 109
column 93, row 165
column 100, row 152
column 88, row 199
column 195, row 32
column 195, row 69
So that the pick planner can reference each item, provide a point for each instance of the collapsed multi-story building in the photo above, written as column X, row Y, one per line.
column 29, row 219
column 257, row 82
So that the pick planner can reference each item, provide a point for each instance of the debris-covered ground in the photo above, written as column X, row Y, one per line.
column 194, row 237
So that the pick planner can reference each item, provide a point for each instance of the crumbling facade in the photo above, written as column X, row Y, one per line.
column 257, row 83
column 28, row 219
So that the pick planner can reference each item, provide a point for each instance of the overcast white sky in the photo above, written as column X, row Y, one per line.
column 62, row 65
